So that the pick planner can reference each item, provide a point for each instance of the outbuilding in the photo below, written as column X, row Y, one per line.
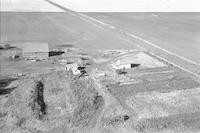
column 124, row 64
column 35, row 50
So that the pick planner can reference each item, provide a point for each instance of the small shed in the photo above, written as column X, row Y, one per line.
column 35, row 50
column 122, row 65
column 125, row 64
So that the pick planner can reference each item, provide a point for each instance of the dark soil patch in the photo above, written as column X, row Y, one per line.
column 6, row 91
column 5, row 82
column 7, row 47
column 37, row 104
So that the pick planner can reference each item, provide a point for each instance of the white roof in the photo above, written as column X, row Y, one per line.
column 35, row 47
column 141, row 58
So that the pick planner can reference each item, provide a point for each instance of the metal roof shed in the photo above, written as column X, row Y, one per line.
column 36, row 50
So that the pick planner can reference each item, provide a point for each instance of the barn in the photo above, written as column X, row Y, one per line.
column 35, row 50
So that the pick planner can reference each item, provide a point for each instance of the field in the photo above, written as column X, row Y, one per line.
column 176, row 32
column 57, row 29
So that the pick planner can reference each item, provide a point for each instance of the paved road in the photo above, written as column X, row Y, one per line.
column 176, row 32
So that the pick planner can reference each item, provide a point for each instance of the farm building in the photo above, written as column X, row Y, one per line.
column 136, row 59
column 125, row 65
column 35, row 50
